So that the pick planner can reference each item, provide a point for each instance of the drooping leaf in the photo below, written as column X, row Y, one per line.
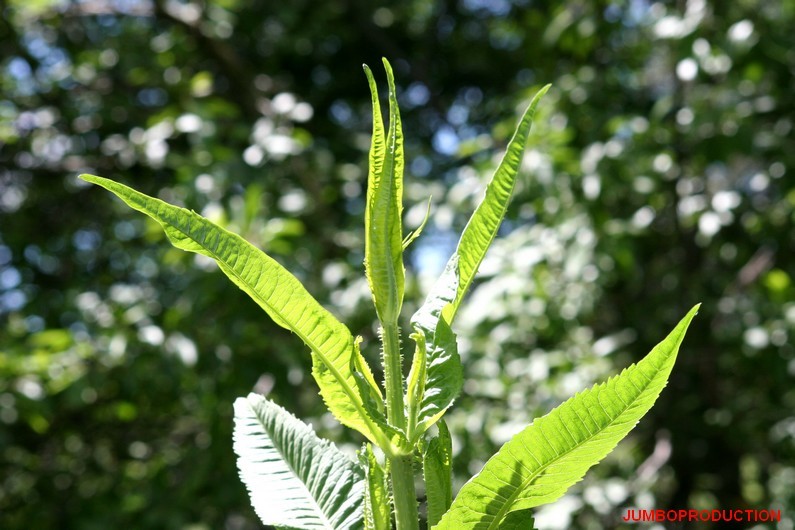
column 383, row 254
column 437, row 469
column 279, row 293
column 377, row 514
column 540, row 463
column 482, row 227
column 295, row 479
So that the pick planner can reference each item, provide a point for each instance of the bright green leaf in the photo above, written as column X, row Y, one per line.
column 415, row 387
column 436, row 469
column 368, row 388
column 280, row 294
column 482, row 227
column 377, row 515
column 540, row 463
column 383, row 253
column 445, row 376
column 295, row 479
column 393, row 439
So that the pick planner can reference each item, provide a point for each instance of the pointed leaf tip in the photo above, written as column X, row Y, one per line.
column 540, row 463
column 388, row 68
column 279, row 293
column 89, row 178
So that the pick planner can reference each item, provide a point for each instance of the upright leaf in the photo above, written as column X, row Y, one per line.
column 279, row 293
column 415, row 387
column 295, row 479
column 437, row 469
column 393, row 439
column 383, row 253
column 368, row 388
column 482, row 227
column 377, row 513
column 445, row 376
column 540, row 463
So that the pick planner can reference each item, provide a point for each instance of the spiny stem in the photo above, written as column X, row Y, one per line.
column 404, row 496
column 393, row 376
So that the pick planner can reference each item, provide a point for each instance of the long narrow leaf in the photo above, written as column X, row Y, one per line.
column 383, row 253
column 437, row 469
column 540, row 463
column 279, row 293
column 415, row 383
column 295, row 479
column 414, row 234
column 482, row 227
column 377, row 514
column 445, row 376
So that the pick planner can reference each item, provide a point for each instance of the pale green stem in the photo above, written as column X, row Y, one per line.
column 404, row 496
column 393, row 376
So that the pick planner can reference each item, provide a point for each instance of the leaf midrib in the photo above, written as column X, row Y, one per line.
column 333, row 369
column 319, row 509
column 517, row 145
column 135, row 197
column 464, row 286
column 388, row 171
column 512, row 498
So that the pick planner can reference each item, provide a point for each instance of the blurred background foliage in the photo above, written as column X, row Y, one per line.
column 660, row 174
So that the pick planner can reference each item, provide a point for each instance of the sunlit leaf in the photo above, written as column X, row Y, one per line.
column 540, row 463
column 435, row 317
column 377, row 514
column 482, row 227
column 383, row 253
column 295, row 479
column 409, row 239
column 279, row 293
column 415, row 387
column 436, row 469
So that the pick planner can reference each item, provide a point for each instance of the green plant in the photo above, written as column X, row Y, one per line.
column 297, row 480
